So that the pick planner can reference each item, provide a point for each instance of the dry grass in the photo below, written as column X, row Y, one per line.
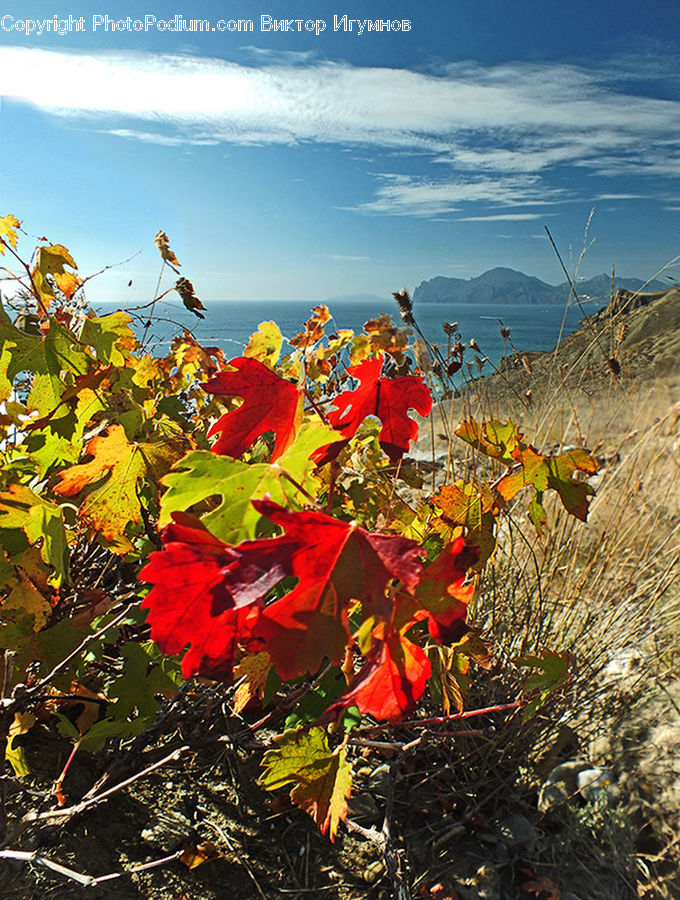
column 607, row 592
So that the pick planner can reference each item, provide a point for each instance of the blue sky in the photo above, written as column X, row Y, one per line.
column 296, row 165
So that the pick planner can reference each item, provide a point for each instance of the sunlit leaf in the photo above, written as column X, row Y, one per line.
column 111, row 478
column 201, row 475
column 270, row 403
column 8, row 231
column 163, row 243
column 265, row 344
column 321, row 778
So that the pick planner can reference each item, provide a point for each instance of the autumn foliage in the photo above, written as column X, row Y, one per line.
column 251, row 510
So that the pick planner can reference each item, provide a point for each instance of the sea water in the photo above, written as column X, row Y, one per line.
column 228, row 324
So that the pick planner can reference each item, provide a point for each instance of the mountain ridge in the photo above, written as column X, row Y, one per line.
column 502, row 284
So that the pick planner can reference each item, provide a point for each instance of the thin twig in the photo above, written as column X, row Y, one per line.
column 440, row 720
column 90, row 639
column 35, row 857
column 93, row 801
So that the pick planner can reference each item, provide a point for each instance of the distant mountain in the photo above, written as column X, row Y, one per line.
column 502, row 285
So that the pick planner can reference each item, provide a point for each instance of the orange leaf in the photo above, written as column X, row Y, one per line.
column 111, row 478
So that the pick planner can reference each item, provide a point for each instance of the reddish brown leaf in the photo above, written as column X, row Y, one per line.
column 270, row 403
column 443, row 593
column 163, row 243
column 387, row 398
column 542, row 887
column 186, row 291
column 314, row 328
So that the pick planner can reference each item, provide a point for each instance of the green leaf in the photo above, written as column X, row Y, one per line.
column 201, row 475
column 136, row 691
column 46, row 356
column 110, row 336
column 40, row 521
column 317, row 701
column 322, row 778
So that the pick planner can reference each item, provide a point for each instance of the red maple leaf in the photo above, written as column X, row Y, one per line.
column 190, row 602
column 270, row 403
column 389, row 684
column 335, row 562
column 210, row 594
column 207, row 593
column 387, row 398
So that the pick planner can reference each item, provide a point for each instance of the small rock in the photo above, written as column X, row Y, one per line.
column 596, row 785
column 501, row 852
column 167, row 831
column 560, row 785
column 488, row 837
column 517, row 831
column 488, row 882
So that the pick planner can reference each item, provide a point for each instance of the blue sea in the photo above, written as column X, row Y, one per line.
column 229, row 323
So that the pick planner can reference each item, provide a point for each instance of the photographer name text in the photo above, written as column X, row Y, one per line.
column 103, row 23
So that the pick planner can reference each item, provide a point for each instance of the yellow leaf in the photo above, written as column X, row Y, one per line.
column 25, row 596
column 195, row 855
column 8, row 227
column 15, row 756
column 112, row 475
column 254, row 670
column 265, row 344
column 42, row 522
column 50, row 261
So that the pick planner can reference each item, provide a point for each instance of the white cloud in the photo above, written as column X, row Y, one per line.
column 497, row 130
column 619, row 197
column 412, row 196
column 164, row 140
column 506, row 217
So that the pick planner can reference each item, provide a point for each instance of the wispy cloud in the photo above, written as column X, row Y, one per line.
column 619, row 197
column 496, row 132
column 164, row 140
column 414, row 196
column 505, row 217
